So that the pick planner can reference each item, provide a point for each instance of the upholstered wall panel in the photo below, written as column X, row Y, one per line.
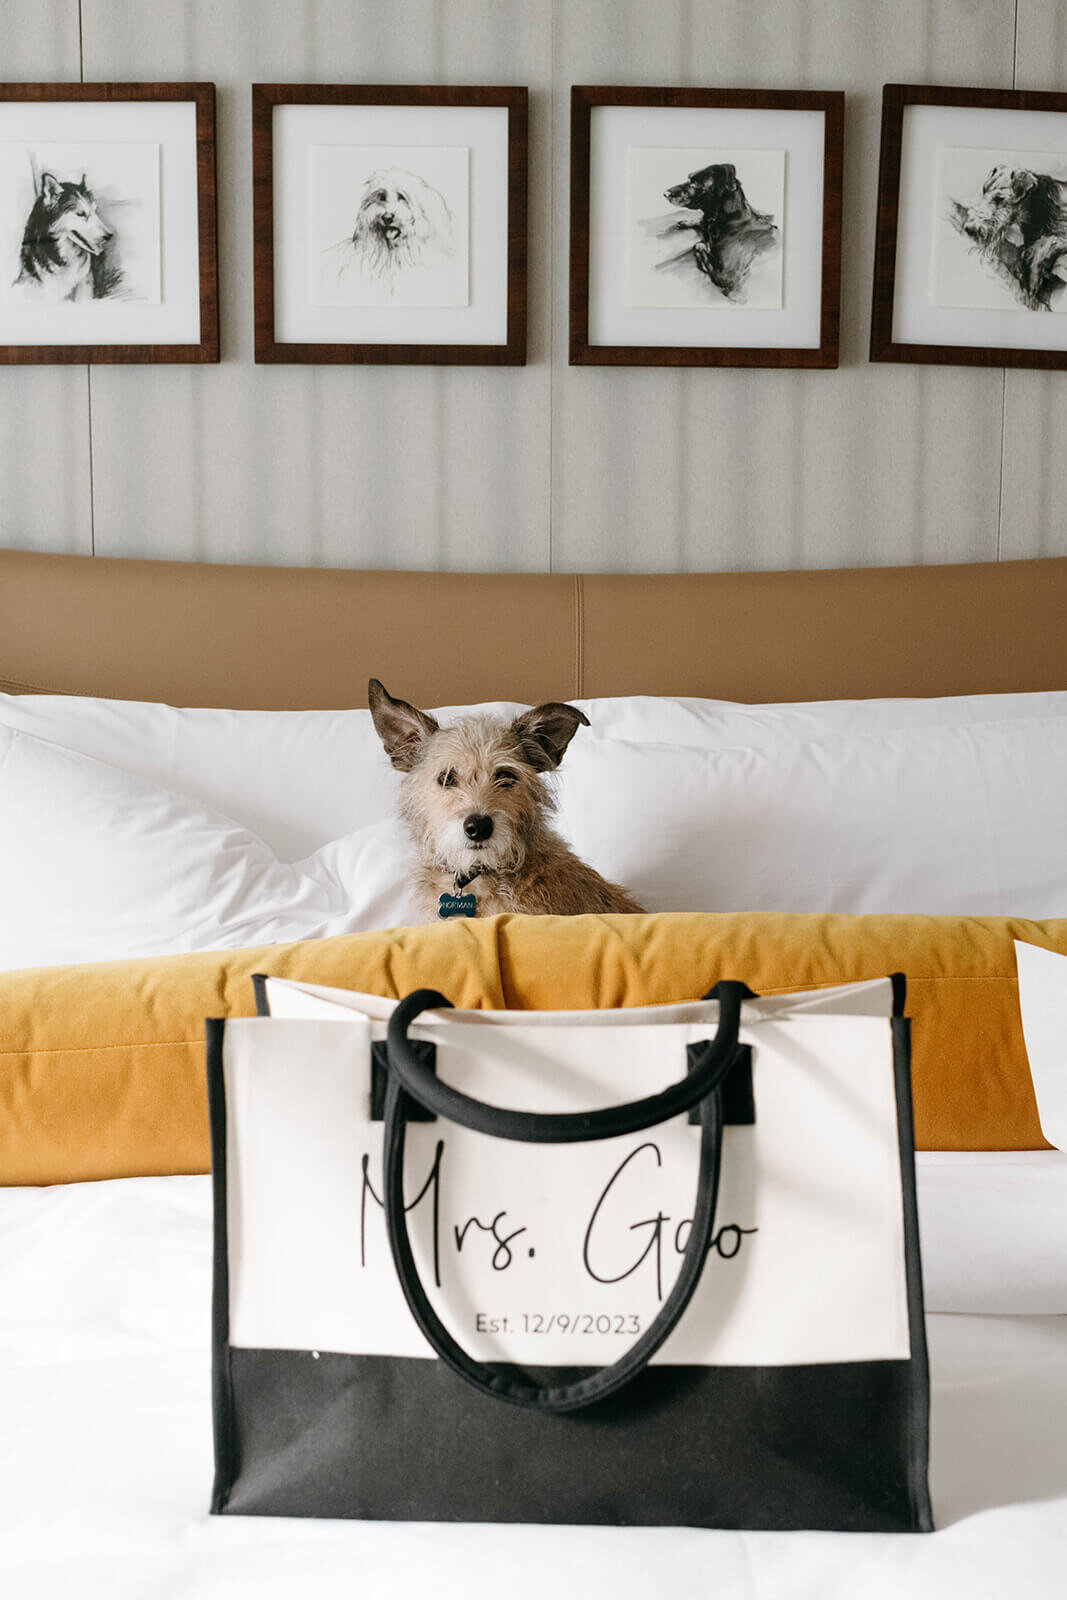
column 543, row 468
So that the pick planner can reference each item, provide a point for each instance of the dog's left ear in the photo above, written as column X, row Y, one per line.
column 546, row 731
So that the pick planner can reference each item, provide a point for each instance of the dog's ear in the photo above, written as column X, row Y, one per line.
column 546, row 731
column 401, row 728
column 50, row 188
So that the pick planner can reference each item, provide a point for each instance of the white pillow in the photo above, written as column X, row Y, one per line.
column 721, row 724
column 96, row 865
column 962, row 820
column 993, row 1231
column 1043, row 1006
column 296, row 778
column 300, row 778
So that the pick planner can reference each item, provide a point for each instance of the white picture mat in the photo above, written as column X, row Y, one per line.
column 172, row 125
column 801, row 134
column 916, row 319
column 485, row 130
column 821, row 1280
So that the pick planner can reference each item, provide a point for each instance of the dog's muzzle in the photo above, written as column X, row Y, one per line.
column 478, row 828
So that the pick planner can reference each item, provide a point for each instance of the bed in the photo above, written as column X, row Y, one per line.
column 105, row 1453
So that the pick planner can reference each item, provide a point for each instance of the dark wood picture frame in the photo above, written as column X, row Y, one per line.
column 896, row 97
column 584, row 99
column 265, row 97
column 207, row 348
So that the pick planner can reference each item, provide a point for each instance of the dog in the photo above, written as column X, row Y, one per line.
column 66, row 244
column 475, row 801
column 730, row 233
column 402, row 222
column 1019, row 227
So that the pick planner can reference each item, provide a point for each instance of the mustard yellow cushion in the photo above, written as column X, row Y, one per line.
column 102, row 1067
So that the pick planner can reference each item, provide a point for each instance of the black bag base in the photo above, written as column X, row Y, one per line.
column 388, row 1438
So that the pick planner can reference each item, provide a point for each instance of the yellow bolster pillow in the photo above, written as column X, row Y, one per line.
column 102, row 1067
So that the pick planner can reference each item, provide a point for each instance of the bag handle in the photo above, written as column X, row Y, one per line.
column 704, row 1083
column 537, row 1127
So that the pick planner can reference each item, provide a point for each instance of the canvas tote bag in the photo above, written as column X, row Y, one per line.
column 648, row 1266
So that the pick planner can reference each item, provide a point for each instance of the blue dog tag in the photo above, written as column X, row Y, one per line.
column 457, row 905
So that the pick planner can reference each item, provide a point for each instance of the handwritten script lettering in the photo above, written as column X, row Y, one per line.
column 658, row 1236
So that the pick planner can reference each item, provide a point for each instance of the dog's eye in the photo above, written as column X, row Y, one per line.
column 503, row 777
column 447, row 780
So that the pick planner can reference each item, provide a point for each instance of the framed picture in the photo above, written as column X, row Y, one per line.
column 389, row 223
column 971, row 251
column 705, row 227
column 107, row 222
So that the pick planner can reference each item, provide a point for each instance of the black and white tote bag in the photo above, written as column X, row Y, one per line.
column 648, row 1266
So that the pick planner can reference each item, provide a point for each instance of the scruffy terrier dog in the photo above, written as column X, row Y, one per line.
column 475, row 799
column 1019, row 227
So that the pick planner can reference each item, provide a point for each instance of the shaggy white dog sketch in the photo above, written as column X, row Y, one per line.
column 402, row 223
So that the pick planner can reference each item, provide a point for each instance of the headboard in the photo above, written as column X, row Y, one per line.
column 289, row 638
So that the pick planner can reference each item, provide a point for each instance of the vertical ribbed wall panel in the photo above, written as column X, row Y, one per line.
column 733, row 469
column 1032, row 517
column 335, row 466
column 547, row 466
column 44, row 411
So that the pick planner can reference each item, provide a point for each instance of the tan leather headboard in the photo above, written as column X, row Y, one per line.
column 286, row 638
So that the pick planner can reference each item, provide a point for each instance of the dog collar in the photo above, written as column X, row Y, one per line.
column 461, row 883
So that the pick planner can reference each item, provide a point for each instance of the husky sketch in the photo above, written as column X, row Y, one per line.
column 66, row 251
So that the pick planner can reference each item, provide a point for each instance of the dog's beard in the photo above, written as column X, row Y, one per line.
column 385, row 251
column 502, row 852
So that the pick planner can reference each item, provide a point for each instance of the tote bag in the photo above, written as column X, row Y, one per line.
column 648, row 1266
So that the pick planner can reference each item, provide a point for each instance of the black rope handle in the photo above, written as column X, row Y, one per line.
column 490, row 1380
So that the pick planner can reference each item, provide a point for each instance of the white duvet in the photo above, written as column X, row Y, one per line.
column 106, row 1456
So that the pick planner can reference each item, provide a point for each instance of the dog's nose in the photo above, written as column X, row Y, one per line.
column 478, row 828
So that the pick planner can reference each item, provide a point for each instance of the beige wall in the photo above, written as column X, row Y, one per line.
column 547, row 467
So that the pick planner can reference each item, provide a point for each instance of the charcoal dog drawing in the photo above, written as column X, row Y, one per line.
column 401, row 223
column 720, row 233
column 1018, row 228
column 68, row 249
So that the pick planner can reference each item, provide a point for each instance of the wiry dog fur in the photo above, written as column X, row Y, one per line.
column 1019, row 227
column 401, row 220
column 475, row 799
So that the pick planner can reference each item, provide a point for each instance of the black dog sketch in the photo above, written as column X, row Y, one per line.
column 1019, row 228
column 66, row 251
column 731, row 234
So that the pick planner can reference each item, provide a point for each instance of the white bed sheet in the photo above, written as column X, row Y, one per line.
column 106, row 1462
